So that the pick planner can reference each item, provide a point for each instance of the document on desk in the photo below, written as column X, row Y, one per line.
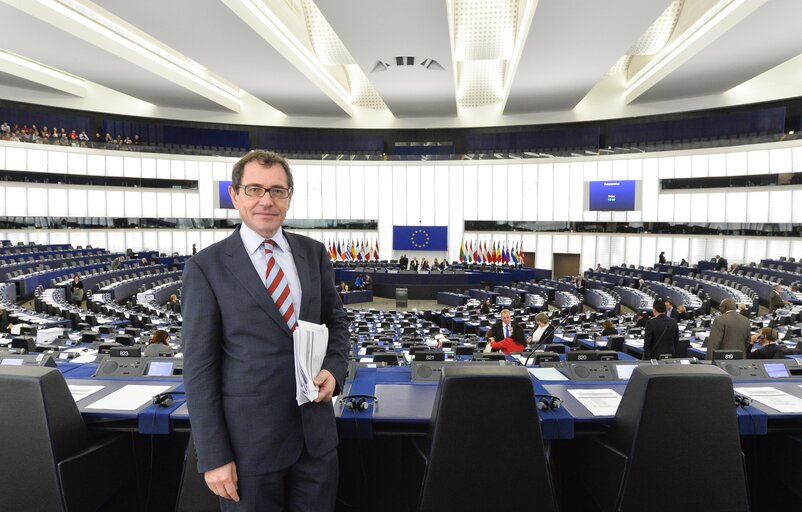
column 310, row 343
column 547, row 374
column 774, row 398
column 129, row 398
column 80, row 392
column 600, row 402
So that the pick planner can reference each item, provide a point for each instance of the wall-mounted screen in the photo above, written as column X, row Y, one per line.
column 612, row 196
column 223, row 197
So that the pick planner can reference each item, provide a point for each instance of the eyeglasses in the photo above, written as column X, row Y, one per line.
column 257, row 191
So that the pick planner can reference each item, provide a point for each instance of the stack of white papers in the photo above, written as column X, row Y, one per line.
column 79, row 392
column 129, row 398
column 774, row 398
column 310, row 342
column 600, row 402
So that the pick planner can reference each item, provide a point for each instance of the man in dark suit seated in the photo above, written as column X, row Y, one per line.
column 243, row 298
column 510, row 335
column 662, row 333
column 767, row 339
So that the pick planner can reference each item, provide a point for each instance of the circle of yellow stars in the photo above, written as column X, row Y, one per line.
column 414, row 236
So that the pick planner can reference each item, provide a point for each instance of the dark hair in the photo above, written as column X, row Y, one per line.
column 659, row 306
column 160, row 336
column 266, row 158
column 670, row 302
column 769, row 333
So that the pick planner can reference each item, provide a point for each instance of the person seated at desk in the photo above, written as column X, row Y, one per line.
column 544, row 330
column 174, row 304
column 641, row 317
column 769, row 349
column 742, row 310
column 413, row 265
column 510, row 334
column 77, row 290
column 5, row 323
column 683, row 263
column 424, row 264
column 608, row 329
column 358, row 284
column 682, row 312
column 484, row 307
column 159, row 345
column 367, row 282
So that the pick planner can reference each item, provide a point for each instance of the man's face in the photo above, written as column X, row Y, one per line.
column 505, row 317
column 262, row 214
column 668, row 305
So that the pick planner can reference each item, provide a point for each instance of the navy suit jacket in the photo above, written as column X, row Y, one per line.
column 238, row 358
column 661, row 337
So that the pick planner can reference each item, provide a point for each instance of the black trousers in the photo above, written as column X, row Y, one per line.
column 309, row 485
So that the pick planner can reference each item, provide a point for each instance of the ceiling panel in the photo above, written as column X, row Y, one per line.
column 571, row 46
column 22, row 84
column 763, row 40
column 28, row 36
column 380, row 31
column 209, row 33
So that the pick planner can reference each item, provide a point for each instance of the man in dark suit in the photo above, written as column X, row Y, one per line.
column 507, row 330
column 767, row 339
column 662, row 333
column 730, row 330
column 671, row 311
column 403, row 262
column 775, row 299
column 243, row 296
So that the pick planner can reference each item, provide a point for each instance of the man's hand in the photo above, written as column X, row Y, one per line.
column 223, row 481
column 325, row 381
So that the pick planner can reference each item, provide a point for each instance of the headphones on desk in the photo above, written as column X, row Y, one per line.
column 358, row 402
column 742, row 400
column 163, row 399
column 548, row 402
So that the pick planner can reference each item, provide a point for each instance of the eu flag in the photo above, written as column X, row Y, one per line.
column 420, row 238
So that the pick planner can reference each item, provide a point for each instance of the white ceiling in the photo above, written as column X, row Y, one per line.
column 557, row 74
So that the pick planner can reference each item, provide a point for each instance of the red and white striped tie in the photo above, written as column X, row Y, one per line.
column 278, row 287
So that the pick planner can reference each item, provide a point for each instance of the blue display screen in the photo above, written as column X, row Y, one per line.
column 611, row 196
column 224, row 199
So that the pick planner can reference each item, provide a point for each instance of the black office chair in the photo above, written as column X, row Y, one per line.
column 682, row 347
column 675, row 427
column 193, row 493
column 462, row 440
column 616, row 343
column 53, row 455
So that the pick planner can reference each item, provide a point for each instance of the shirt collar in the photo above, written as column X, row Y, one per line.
column 253, row 241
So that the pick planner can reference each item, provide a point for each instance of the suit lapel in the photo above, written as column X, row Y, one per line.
column 304, row 271
column 239, row 264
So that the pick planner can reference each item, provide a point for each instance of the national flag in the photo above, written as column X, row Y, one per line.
column 498, row 253
column 462, row 252
column 474, row 253
column 513, row 253
column 360, row 251
column 353, row 251
column 376, row 251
